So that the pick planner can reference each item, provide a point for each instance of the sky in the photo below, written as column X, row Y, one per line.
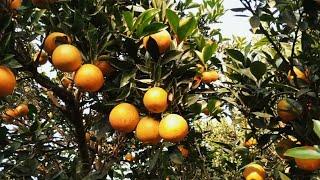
column 231, row 24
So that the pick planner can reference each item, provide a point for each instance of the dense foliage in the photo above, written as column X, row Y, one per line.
column 244, row 101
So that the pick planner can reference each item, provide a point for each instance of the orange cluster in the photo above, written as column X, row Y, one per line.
column 125, row 118
column 68, row 58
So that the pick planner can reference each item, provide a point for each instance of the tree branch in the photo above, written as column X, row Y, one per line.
column 72, row 111
column 265, row 32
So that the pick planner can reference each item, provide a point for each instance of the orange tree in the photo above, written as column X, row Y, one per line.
column 75, row 116
column 274, row 83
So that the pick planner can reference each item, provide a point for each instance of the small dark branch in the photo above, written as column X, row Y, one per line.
column 246, row 4
column 296, row 37
column 275, row 47
column 72, row 111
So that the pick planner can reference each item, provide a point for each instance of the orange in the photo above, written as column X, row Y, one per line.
column 42, row 59
column 22, row 109
column 147, row 130
column 308, row 164
column 89, row 78
column 66, row 58
column 9, row 115
column 129, row 157
column 124, row 117
column 65, row 81
column 288, row 110
column 299, row 74
column 7, row 81
column 162, row 38
column 254, row 172
column 250, row 142
column 12, row 4
column 209, row 76
column 42, row 3
column 156, row 100
column 184, row 151
column 105, row 67
column 173, row 128
column 55, row 39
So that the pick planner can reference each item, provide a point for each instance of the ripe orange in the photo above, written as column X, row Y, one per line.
column 162, row 38
column 210, row 76
column 254, row 172
column 250, row 142
column 156, row 100
column 22, row 109
column 308, row 164
column 147, row 130
column 89, row 78
column 42, row 3
column 124, row 117
column 299, row 74
column 7, row 81
column 66, row 58
column 12, row 4
column 65, row 81
column 9, row 115
column 42, row 59
column 55, row 39
column 105, row 67
column 129, row 157
column 288, row 110
column 184, row 151
column 173, row 128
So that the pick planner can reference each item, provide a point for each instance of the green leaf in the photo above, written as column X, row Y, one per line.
column 37, row 16
column 254, row 22
column 171, row 55
column 283, row 176
column 3, row 133
column 153, row 28
column 153, row 161
column 263, row 115
column 200, row 55
column 316, row 127
column 186, row 27
column 6, row 20
column 125, row 79
column 176, row 157
column 144, row 19
column 208, row 51
column 235, row 54
column 258, row 69
column 303, row 153
column 128, row 17
column 173, row 20
column 13, row 64
column 191, row 99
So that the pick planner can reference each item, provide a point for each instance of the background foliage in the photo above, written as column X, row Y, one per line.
column 50, row 142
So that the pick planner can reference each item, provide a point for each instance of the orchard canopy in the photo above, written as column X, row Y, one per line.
column 152, row 89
